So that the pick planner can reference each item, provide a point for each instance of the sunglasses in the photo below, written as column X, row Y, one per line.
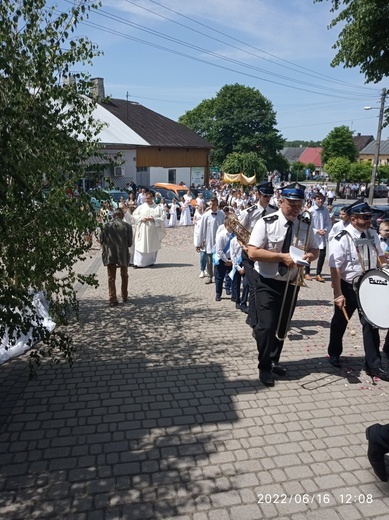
column 364, row 217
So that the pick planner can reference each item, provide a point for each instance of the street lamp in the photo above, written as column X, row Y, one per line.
column 377, row 146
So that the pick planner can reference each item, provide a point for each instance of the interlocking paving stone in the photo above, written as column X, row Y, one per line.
column 162, row 415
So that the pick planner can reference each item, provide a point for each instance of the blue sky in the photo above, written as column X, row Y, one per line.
column 169, row 55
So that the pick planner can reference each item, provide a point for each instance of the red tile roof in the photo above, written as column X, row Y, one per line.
column 311, row 155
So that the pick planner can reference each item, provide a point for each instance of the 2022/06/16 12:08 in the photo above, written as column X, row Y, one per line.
column 320, row 498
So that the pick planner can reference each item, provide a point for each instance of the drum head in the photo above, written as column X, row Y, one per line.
column 373, row 297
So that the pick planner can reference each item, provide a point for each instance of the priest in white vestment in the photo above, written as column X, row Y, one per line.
column 149, row 232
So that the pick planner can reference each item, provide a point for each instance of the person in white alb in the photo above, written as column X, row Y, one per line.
column 150, row 230
column 321, row 226
column 206, row 237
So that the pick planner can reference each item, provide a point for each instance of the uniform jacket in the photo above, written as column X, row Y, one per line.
column 116, row 238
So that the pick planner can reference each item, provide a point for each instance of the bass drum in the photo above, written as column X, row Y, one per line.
column 372, row 291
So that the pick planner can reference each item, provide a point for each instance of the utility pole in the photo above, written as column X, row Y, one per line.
column 377, row 148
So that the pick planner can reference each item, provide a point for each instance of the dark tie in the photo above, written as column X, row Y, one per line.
column 263, row 213
column 214, row 214
column 282, row 269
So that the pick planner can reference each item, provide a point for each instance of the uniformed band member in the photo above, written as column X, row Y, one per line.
column 353, row 251
column 269, row 247
column 248, row 218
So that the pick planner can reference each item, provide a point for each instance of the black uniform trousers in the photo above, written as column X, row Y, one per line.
column 269, row 294
column 252, row 276
column 371, row 338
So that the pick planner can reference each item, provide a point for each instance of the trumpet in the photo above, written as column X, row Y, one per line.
column 306, row 218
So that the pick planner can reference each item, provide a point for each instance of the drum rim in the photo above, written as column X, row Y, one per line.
column 361, row 279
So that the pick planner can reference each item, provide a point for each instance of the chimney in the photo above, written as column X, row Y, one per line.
column 68, row 80
column 97, row 88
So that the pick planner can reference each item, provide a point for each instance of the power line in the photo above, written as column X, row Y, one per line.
column 107, row 15
column 178, row 53
column 318, row 74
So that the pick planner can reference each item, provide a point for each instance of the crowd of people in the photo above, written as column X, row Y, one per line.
column 258, row 247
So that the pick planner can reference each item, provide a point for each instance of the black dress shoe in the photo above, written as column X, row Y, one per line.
column 266, row 378
column 375, row 453
column 113, row 304
column 233, row 299
column 228, row 292
column 244, row 309
column 279, row 370
column 378, row 372
column 237, row 305
column 218, row 297
column 335, row 362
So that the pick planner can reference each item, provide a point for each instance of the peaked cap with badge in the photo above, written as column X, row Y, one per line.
column 266, row 188
column 294, row 191
column 360, row 207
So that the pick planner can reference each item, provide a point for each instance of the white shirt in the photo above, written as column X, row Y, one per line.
column 269, row 233
column 141, row 199
column 236, row 254
column 384, row 244
column 344, row 256
column 222, row 238
column 250, row 216
column 337, row 228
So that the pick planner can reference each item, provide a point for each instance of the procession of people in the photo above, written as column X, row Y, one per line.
column 250, row 253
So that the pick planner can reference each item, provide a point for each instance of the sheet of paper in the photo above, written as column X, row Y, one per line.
column 297, row 255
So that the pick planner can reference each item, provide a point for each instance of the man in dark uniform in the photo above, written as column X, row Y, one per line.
column 116, row 238
column 269, row 247
column 352, row 252
column 248, row 218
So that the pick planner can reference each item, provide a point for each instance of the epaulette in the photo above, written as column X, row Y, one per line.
column 340, row 235
column 270, row 218
column 252, row 208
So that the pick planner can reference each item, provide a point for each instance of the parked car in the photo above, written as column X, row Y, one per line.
column 380, row 191
column 207, row 194
column 179, row 190
column 97, row 197
column 335, row 212
column 174, row 190
column 379, row 213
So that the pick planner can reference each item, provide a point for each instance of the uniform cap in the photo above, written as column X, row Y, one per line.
column 294, row 191
column 360, row 207
column 266, row 188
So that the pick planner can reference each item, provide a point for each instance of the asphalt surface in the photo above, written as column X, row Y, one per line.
column 162, row 415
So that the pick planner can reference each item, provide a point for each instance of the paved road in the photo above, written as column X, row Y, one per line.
column 162, row 415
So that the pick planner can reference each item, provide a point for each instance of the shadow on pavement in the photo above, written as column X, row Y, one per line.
column 127, row 428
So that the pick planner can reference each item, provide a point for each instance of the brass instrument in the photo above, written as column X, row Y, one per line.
column 305, row 217
column 241, row 233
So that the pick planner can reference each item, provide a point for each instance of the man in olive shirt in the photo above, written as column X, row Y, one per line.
column 116, row 238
